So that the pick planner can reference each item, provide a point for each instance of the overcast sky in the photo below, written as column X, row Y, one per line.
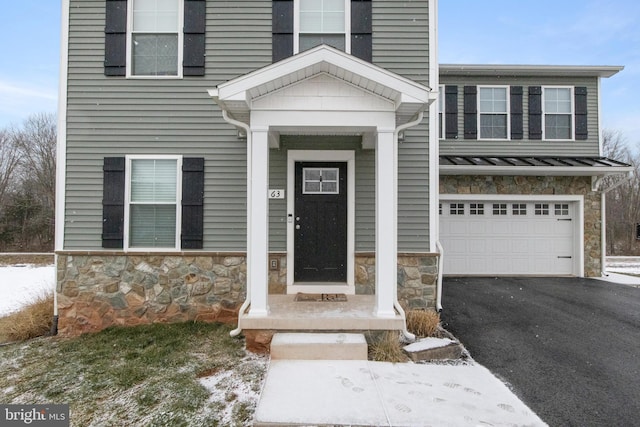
column 558, row 32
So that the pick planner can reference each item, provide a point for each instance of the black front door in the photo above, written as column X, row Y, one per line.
column 320, row 222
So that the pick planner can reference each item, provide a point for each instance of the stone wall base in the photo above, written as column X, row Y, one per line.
column 96, row 291
column 101, row 289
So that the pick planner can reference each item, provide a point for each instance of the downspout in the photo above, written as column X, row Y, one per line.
column 246, row 128
column 439, row 282
column 603, row 215
column 396, row 304
column 61, row 154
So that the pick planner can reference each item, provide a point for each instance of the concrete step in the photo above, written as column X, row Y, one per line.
column 318, row 346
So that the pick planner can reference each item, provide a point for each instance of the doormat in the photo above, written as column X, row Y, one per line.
column 320, row 297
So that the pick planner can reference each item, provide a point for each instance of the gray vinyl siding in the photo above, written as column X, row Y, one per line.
column 413, row 191
column 401, row 45
column 115, row 116
column 524, row 147
column 401, row 38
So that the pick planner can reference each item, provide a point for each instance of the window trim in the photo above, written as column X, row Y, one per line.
column 296, row 26
column 129, row 73
column 127, row 202
column 507, row 112
column 572, row 125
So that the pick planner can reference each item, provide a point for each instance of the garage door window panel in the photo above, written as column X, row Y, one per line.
column 476, row 209
column 456, row 209
column 541, row 209
column 500, row 209
column 519, row 209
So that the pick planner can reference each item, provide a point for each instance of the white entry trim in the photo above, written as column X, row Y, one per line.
column 349, row 157
column 578, row 265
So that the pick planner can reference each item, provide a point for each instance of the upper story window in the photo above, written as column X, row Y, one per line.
column 155, row 38
column 153, row 202
column 493, row 112
column 558, row 112
column 322, row 22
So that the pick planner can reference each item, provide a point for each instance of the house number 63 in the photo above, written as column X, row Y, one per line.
column 276, row 194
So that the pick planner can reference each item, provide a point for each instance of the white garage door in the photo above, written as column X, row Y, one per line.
column 508, row 238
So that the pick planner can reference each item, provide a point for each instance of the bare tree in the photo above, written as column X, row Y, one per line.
column 9, row 162
column 27, row 213
column 623, row 202
column 36, row 141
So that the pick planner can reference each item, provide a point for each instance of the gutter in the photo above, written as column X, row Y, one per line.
column 396, row 304
column 247, row 301
column 603, row 215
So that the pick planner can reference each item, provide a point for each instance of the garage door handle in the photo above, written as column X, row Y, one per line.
column 564, row 219
column 564, row 256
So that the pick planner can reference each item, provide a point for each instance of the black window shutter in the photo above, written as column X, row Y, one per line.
column 516, row 112
column 581, row 113
column 192, row 202
column 113, row 203
column 361, row 32
column 115, row 38
column 451, row 111
column 194, row 37
column 470, row 112
column 281, row 29
column 535, row 112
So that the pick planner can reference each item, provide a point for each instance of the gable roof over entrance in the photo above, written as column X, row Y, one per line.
column 409, row 98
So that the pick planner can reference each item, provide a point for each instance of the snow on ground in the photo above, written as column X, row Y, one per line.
column 624, row 265
column 22, row 283
column 428, row 344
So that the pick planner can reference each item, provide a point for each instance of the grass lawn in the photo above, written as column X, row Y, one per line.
column 188, row 374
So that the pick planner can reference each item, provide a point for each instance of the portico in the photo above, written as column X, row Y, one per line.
column 322, row 91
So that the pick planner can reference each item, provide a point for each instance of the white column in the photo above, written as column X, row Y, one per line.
column 258, row 222
column 386, row 223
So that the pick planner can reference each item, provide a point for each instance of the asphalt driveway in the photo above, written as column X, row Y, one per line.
column 569, row 347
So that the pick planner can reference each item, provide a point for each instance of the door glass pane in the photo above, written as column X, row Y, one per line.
column 320, row 181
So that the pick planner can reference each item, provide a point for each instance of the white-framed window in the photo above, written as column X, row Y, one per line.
column 441, row 113
column 153, row 197
column 493, row 112
column 319, row 22
column 155, row 38
column 557, row 111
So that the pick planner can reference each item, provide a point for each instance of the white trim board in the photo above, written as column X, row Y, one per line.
column 349, row 157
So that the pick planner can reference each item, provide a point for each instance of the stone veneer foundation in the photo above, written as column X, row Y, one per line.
column 101, row 289
column 541, row 185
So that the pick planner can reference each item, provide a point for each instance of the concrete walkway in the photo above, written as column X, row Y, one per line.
column 365, row 393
